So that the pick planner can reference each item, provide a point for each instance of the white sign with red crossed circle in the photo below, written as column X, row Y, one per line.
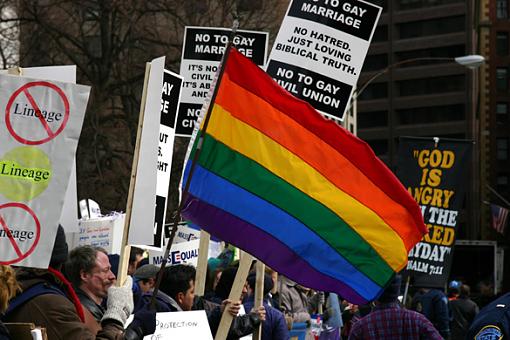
column 40, row 124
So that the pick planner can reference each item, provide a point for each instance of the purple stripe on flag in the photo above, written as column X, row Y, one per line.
column 275, row 254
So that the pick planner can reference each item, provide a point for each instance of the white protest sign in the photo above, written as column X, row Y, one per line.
column 180, row 253
column 104, row 232
column 320, row 48
column 181, row 325
column 65, row 73
column 39, row 133
column 201, row 55
column 141, row 224
column 170, row 97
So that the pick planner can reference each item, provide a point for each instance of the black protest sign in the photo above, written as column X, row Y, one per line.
column 323, row 93
column 170, row 97
column 202, row 52
column 434, row 174
column 357, row 18
column 210, row 43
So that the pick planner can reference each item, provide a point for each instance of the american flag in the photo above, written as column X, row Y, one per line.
column 499, row 217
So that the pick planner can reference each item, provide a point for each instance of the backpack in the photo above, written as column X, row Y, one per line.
column 40, row 288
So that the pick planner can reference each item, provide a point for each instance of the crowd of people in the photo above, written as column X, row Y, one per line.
column 77, row 298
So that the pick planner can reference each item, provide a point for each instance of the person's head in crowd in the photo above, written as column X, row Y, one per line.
column 135, row 256
column 391, row 292
column 8, row 286
column 146, row 277
column 252, row 279
column 88, row 268
column 465, row 291
column 225, row 283
column 60, row 250
column 486, row 288
column 274, row 277
column 178, row 282
column 454, row 288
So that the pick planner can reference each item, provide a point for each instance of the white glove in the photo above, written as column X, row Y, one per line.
column 120, row 302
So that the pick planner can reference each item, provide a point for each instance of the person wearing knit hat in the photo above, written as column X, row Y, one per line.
column 275, row 326
column 389, row 320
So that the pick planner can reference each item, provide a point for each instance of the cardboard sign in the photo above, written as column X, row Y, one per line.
column 201, row 54
column 144, row 194
column 104, row 232
column 170, row 97
column 181, row 325
column 39, row 132
column 319, row 51
column 180, row 253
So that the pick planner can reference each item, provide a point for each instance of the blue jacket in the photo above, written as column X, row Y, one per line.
column 275, row 327
column 434, row 305
column 493, row 321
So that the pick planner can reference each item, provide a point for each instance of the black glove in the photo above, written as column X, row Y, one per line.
column 145, row 320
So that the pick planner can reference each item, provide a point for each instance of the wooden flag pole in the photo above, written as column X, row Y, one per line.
column 235, row 295
column 193, row 165
column 203, row 251
column 259, row 295
column 125, row 249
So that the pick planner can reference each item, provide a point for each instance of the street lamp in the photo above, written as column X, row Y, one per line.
column 470, row 61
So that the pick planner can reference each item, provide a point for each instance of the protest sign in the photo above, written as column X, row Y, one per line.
column 141, row 212
column 65, row 73
column 39, row 133
column 319, row 51
column 104, row 232
column 170, row 97
column 201, row 55
column 184, row 252
column 181, row 325
column 433, row 173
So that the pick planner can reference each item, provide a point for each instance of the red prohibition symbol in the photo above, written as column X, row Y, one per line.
column 5, row 227
column 51, row 134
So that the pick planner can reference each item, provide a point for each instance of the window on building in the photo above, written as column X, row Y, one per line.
column 502, row 78
column 502, row 180
column 501, row 112
column 414, row 87
column 375, row 62
column 380, row 34
column 374, row 91
column 428, row 115
column 372, row 119
column 413, row 4
column 437, row 52
column 502, row 9
column 431, row 27
column 502, row 149
column 502, row 43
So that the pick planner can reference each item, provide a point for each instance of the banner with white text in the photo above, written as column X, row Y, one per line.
column 434, row 173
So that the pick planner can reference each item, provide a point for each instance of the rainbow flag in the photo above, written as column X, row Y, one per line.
column 297, row 191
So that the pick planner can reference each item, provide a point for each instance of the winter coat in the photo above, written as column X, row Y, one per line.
column 293, row 301
column 56, row 312
column 275, row 326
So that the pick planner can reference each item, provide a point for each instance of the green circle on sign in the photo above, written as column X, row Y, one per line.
column 25, row 173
